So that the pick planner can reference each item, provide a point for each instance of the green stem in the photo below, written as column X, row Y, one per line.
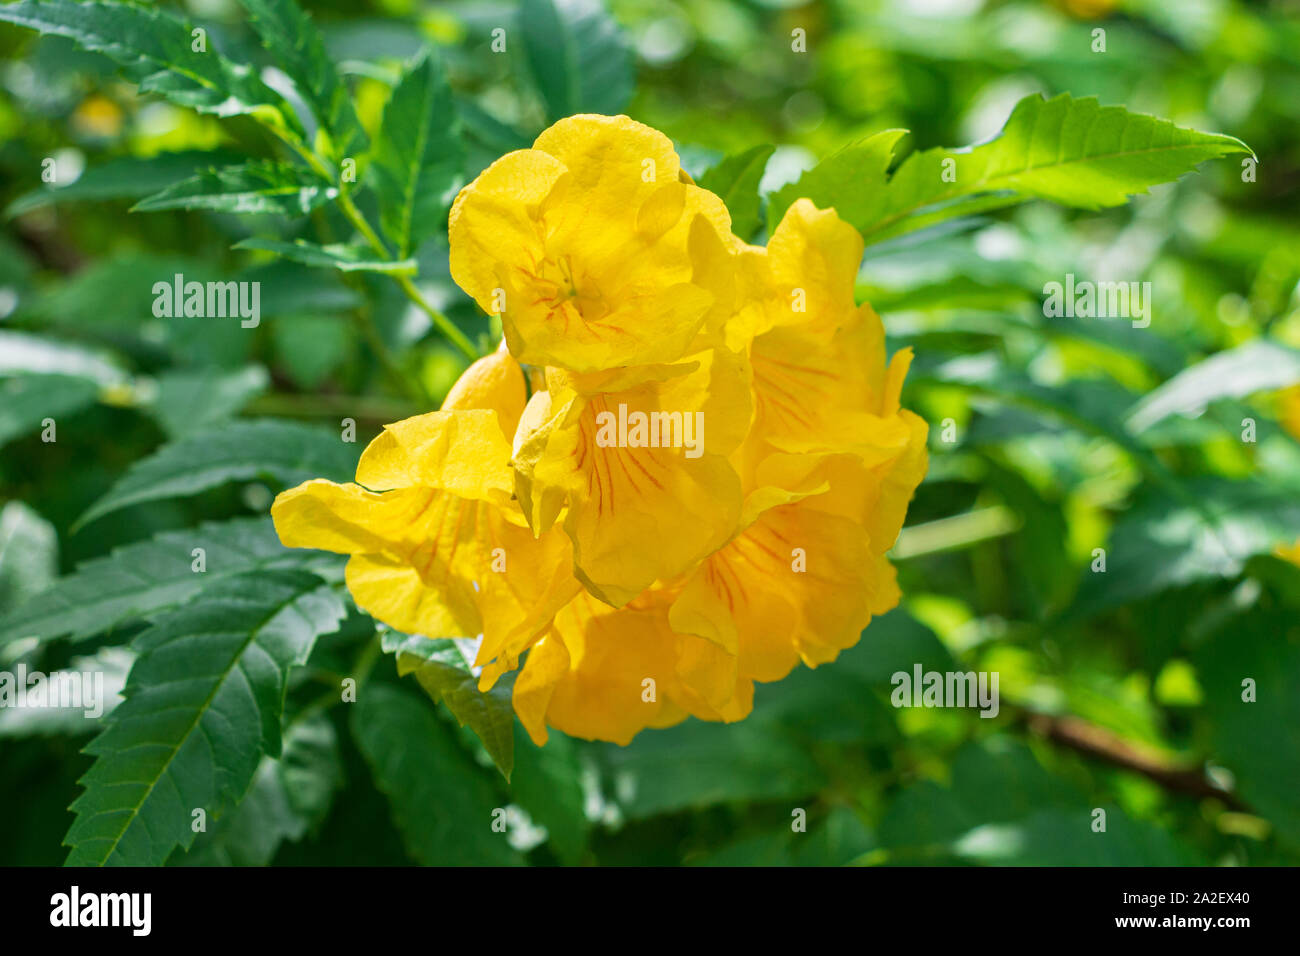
column 444, row 324
column 358, row 220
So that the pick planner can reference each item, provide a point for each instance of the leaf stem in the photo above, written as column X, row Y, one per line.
column 444, row 324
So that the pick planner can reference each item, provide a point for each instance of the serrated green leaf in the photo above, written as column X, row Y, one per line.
column 288, row 798
column 187, row 402
column 1254, row 367
column 203, row 705
column 841, row 180
column 445, row 669
column 419, row 157
column 1066, row 150
column 286, row 452
column 156, row 50
column 295, row 43
column 735, row 180
column 127, row 177
column 443, row 804
column 138, row 580
column 260, row 187
column 345, row 258
column 577, row 57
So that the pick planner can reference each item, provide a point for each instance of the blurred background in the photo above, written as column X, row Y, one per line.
column 1050, row 438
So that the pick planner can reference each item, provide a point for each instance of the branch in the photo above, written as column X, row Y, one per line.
column 1104, row 745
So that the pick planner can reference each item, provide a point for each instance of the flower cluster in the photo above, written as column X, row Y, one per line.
column 679, row 474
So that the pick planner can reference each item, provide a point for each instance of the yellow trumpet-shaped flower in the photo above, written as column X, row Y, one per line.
column 438, row 545
column 700, row 491
column 827, row 464
column 592, row 248
column 641, row 470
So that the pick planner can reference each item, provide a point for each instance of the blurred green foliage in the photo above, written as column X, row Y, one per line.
column 1051, row 437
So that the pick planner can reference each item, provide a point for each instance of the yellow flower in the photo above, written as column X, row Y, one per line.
column 1291, row 553
column 827, row 465
column 592, row 248
column 699, row 493
column 641, row 470
column 438, row 545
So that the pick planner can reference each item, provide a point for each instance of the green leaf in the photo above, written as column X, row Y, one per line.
column 445, row 669
column 696, row 764
column 1070, row 151
column 191, row 401
column 419, row 157
column 138, row 580
column 1252, row 738
column 126, row 177
column 24, row 353
column 443, row 804
column 286, row 452
column 576, row 55
column 156, row 50
column 259, row 187
column 27, row 400
column 345, row 258
column 840, row 180
column 1160, row 544
column 296, row 46
column 547, row 783
column 104, row 675
column 203, row 705
column 1257, row 366
column 735, row 180
column 288, row 798
column 1003, row 808
column 29, row 554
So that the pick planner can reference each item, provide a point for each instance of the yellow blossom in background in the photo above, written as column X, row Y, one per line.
column 1290, row 410
column 691, row 490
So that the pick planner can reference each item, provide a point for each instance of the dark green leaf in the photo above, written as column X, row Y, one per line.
column 27, row 400
column 289, row 797
column 445, row 669
column 443, row 804
column 190, row 401
column 138, row 580
column 577, row 57
column 337, row 256
column 203, row 705
column 157, row 50
column 286, row 452
column 419, row 158
column 296, row 46
column 735, row 180
column 253, row 188
column 127, row 177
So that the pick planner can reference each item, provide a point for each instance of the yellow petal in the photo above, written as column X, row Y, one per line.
column 797, row 583
column 492, row 226
column 462, row 452
column 493, row 382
